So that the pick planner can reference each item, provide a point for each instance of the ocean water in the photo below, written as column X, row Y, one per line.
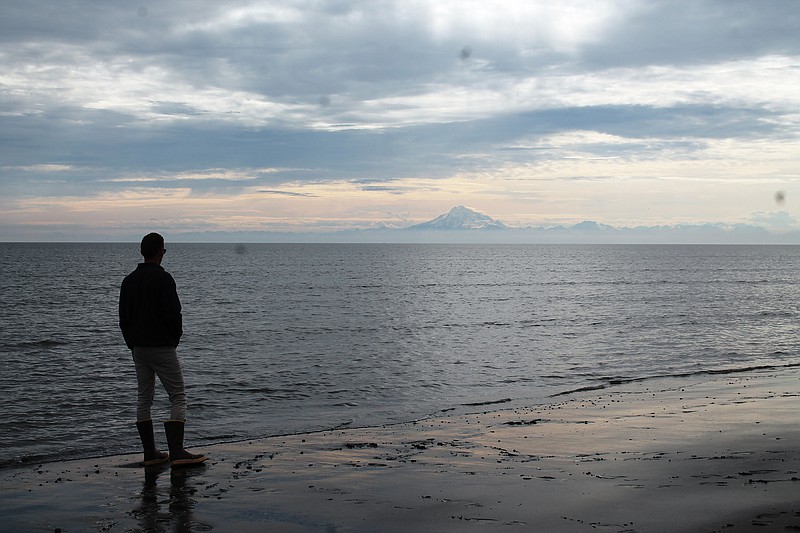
column 286, row 338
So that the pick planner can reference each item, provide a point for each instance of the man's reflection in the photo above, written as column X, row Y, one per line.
column 162, row 510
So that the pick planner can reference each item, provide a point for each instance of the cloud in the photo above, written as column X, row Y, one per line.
column 776, row 220
column 384, row 188
column 366, row 101
column 270, row 65
column 287, row 193
column 709, row 31
column 43, row 168
column 213, row 174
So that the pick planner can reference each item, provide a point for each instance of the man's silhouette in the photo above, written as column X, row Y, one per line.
column 151, row 322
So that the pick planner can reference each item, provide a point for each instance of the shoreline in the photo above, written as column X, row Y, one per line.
column 686, row 378
column 721, row 453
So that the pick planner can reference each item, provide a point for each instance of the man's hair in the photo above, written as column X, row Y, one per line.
column 152, row 244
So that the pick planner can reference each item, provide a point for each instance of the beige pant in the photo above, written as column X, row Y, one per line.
column 162, row 362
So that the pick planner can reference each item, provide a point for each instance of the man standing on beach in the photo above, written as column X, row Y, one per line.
column 151, row 323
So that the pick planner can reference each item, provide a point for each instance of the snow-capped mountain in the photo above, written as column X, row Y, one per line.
column 461, row 218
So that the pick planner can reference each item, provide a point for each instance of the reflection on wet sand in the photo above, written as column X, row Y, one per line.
column 162, row 509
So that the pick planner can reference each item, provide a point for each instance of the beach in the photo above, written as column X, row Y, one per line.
column 717, row 452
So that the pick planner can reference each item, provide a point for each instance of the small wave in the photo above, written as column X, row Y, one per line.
column 776, row 314
column 509, row 381
column 219, row 438
column 44, row 343
column 710, row 372
column 491, row 402
column 52, row 457
column 581, row 389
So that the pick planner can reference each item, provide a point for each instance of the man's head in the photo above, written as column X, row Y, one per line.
column 152, row 247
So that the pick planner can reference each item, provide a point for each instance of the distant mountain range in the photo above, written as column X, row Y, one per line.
column 464, row 219
column 465, row 225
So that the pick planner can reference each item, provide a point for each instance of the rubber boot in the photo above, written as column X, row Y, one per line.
column 177, row 455
column 151, row 454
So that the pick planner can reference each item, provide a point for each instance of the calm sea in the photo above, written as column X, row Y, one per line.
column 291, row 338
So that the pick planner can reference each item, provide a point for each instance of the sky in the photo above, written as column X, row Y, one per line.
column 195, row 117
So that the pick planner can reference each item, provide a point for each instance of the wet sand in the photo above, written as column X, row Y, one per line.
column 714, row 453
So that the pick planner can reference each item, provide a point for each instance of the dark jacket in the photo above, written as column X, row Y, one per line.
column 149, row 308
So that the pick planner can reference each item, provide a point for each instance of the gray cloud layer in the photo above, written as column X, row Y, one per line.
column 372, row 90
